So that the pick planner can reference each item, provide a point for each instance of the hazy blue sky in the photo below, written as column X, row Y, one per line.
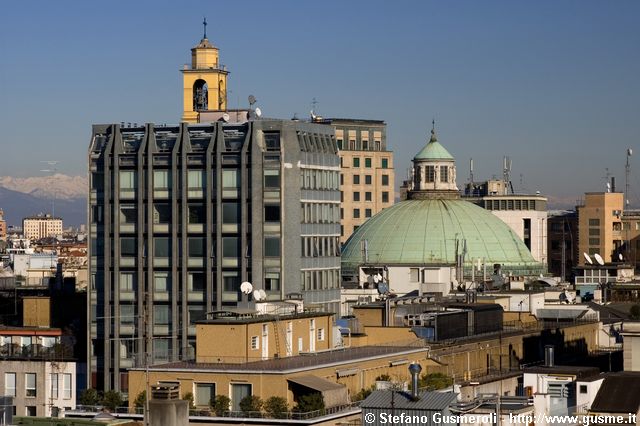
column 553, row 84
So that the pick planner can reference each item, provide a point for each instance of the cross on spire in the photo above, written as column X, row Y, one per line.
column 204, row 24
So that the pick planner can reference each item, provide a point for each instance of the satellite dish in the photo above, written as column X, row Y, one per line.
column 379, row 276
column 263, row 294
column 257, row 295
column 225, row 117
column 252, row 99
column 620, row 257
column 383, row 288
column 369, row 279
column 599, row 259
column 246, row 287
column 258, row 112
column 629, row 152
column 376, row 279
column 587, row 258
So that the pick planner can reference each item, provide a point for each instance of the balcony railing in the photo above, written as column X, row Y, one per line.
column 52, row 353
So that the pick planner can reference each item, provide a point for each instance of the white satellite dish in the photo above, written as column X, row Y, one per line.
column 587, row 258
column 258, row 112
column 379, row 276
column 599, row 259
column 257, row 294
column 263, row 294
column 620, row 257
column 376, row 279
column 246, row 287
column 629, row 152
column 225, row 117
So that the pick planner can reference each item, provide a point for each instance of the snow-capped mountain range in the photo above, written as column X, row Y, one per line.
column 58, row 186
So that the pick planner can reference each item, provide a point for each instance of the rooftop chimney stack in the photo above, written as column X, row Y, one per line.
column 415, row 370
column 548, row 356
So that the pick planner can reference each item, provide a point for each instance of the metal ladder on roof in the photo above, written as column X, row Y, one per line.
column 277, row 325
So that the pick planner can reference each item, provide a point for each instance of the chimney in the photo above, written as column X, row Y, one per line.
column 613, row 184
column 548, row 356
column 415, row 370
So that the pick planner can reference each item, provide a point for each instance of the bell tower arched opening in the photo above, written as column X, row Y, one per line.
column 200, row 95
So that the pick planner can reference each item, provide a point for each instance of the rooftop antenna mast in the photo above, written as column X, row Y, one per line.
column 607, row 177
column 627, row 173
column 53, row 170
column 506, row 174
column 471, row 171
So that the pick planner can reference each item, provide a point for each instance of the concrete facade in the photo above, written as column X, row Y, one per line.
column 38, row 227
column 190, row 212
column 600, row 225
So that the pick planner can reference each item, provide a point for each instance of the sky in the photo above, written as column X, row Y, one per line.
column 553, row 85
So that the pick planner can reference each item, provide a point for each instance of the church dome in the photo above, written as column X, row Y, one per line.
column 424, row 232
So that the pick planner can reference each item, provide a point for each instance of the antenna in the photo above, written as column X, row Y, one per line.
column 471, row 170
column 599, row 259
column 627, row 172
column 587, row 258
column 252, row 100
column 246, row 287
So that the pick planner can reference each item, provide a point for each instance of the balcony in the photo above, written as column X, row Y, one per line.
column 53, row 353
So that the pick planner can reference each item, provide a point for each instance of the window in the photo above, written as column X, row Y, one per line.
column 444, row 176
column 367, row 162
column 161, row 213
column 162, row 179
column 205, row 393
column 356, row 162
column 272, row 213
column 195, row 281
column 230, row 281
column 272, row 246
column 272, row 141
column 594, row 232
column 196, row 313
column 414, row 275
column 54, row 385
column 161, row 282
column 161, row 314
column 272, row 281
column 230, row 178
column 431, row 174
column 367, row 212
column 30, row 384
column 229, row 213
column 127, row 314
column 385, row 180
column 238, row 392
column 127, row 246
column 356, row 213
column 10, row 384
column 272, row 178
column 385, row 163
column 583, row 388
column 161, row 349
column 321, row 334
column 594, row 222
column 594, row 241
column 356, row 179
column 385, row 197
column 66, row 386
column 230, row 247
column 367, row 179
column 195, row 179
column 30, row 411
column 127, row 180
column 356, row 196
column 127, row 281
column 128, row 214
column 161, row 247
column 255, row 343
column 196, row 246
column 196, row 213
column 367, row 196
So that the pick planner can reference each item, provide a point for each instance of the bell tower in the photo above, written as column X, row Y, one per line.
column 205, row 82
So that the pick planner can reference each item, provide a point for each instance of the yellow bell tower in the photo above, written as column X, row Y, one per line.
column 205, row 83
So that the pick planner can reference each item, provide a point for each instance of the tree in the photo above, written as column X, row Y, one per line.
column 140, row 399
column 189, row 397
column 435, row 381
column 89, row 397
column 251, row 405
column 364, row 393
column 310, row 402
column 112, row 399
column 635, row 312
column 276, row 407
column 383, row 378
column 220, row 405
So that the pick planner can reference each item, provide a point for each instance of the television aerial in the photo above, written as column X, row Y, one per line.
column 252, row 100
column 599, row 259
column 258, row 294
column 246, row 287
column 587, row 258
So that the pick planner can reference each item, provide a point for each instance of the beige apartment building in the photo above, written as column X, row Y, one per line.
column 41, row 226
column 3, row 226
column 600, row 225
column 367, row 177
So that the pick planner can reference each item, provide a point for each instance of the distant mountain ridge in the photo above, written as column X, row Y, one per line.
column 58, row 186
column 23, row 197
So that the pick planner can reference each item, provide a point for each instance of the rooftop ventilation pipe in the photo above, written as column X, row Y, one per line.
column 548, row 356
column 415, row 370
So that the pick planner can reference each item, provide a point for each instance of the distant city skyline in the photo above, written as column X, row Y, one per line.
column 552, row 85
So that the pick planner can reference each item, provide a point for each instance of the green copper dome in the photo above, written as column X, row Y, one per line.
column 433, row 150
column 424, row 231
